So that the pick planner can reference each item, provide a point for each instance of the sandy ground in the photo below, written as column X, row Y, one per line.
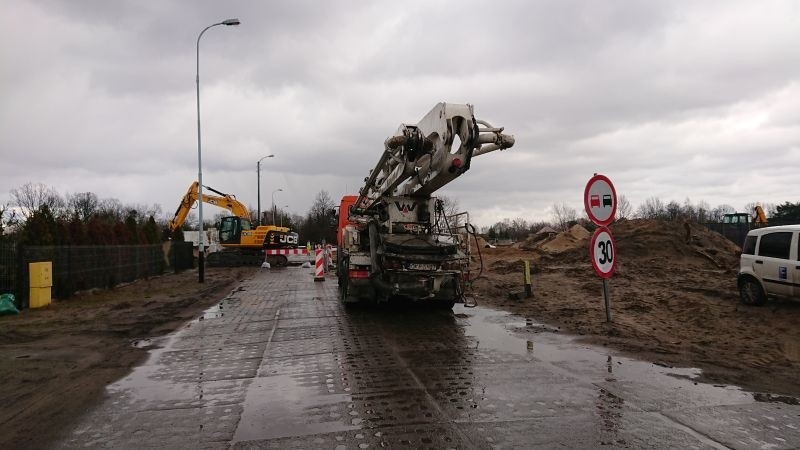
column 56, row 361
column 672, row 302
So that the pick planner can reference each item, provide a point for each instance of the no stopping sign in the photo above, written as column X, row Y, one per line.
column 603, row 252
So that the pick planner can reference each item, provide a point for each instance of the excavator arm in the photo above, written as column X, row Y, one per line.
column 222, row 200
column 760, row 218
column 420, row 159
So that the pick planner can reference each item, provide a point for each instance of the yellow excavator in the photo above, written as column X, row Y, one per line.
column 760, row 218
column 243, row 244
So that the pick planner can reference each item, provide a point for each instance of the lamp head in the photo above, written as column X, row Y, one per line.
column 231, row 22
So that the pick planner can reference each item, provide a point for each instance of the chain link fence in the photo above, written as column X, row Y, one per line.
column 88, row 266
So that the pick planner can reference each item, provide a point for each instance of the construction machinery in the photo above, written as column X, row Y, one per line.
column 759, row 218
column 242, row 243
column 394, row 239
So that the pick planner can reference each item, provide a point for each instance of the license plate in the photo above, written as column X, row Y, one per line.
column 421, row 266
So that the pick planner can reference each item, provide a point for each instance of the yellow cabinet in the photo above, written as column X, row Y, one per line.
column 40, row 296
column 41, row 274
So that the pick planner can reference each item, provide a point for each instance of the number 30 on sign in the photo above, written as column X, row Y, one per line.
column 602, row 250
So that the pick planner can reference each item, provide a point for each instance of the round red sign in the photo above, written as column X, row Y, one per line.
column 603, row 252
column 600, row 200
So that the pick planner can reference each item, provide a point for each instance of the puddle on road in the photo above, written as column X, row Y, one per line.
column 142, row 343
column 148, row 382
column 214, row 312
column 505, row 332
column 292, row 409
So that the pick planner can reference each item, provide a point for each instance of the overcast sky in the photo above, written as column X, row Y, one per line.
column 694, row 99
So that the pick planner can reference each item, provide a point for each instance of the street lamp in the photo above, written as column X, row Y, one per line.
column 258, row 170
column 273, row 203
column 200, row 250
column 283, row 213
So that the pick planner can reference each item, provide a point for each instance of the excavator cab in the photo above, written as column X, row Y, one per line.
column 230, row 229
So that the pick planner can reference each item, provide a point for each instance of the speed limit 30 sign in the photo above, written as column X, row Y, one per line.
column 602, row 251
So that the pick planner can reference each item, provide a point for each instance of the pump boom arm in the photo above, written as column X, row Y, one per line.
column 420, row 159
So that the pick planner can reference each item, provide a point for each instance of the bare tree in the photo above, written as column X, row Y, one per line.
column 563, row 214
column 652, row 208
column 673, row 210
column 451, row 208
column 703, row 209
column 32, row 196
column 113, row 209
column 83, row 205
column 719, row 212
column 624, row 208
column 317, row 225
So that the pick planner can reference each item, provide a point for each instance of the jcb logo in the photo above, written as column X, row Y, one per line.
column 405, row 208
column 288, row 239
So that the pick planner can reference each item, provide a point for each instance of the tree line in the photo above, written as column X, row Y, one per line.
column 38, row 215
column 563, row 216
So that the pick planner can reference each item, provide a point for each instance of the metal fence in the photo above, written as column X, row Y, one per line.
column 88, row 266
column 9, row 264
column 736, row 232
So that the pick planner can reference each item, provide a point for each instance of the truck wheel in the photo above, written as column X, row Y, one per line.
column 751, row 293
column 278, row 260
column 445, row 304
column 343, row 289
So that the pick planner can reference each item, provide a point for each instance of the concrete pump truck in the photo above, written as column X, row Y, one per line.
column 394, row 239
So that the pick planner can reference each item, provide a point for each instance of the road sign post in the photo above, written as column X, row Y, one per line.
column 602, row 252
column 600, row 202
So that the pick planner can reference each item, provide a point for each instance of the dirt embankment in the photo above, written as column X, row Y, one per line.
column 673, row 300
column 56, row 361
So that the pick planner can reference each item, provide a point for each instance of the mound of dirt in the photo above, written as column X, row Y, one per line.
column 674, row 301
column 673, row 242
column 575, row 237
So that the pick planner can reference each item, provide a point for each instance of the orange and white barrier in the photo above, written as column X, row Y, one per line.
column 287, row 251
column 319, row 268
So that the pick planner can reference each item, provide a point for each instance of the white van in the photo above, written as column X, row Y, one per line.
column 769, row 264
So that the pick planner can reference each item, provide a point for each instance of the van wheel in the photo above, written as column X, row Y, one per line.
column 751, row 293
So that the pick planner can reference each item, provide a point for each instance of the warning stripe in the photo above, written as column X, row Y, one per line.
column 287, row 251
column 319, row 272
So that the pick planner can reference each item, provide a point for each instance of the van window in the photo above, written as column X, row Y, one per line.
column 775, row 245
column 749, row 247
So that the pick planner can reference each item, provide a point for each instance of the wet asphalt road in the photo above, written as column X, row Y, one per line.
column 281, row 364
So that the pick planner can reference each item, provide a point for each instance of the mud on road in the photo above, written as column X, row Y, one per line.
column 55, row 362
column 673, row 300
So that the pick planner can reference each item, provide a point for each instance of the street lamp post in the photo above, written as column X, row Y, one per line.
column 200, row 249
column 273, row 204
column 258, row 170
column 283, row 213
